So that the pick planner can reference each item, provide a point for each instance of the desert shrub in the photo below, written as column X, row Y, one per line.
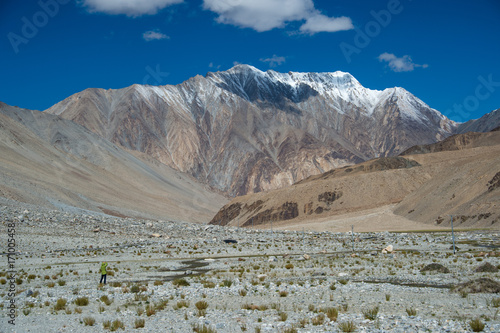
column 202, row 308
column 318, row 320
column 242, row 292
column 208, row 284
column 371, row 313
column 60, row 304
column 496, row 302
column 139, row 323
column 283, row 316
column 182, row 304
column 203, row 329
column 116, row 324
column 201, row 305
column 476, row 325
column 161, row 305
column 481, row 285
column 150, row 310
column 247, row 306
column 331, row 313
column 181, row 282
column 105, row 299
column 347, row 326
column 411, row 311
column 435, row 267
column 82, row 301
column 486, row 268
column 89, row 321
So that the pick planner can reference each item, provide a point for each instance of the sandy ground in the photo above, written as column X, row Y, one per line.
column 371, row 220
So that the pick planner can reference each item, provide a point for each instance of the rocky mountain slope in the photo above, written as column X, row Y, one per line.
column 457, row 142
column 53, row 162
column 459, row 176
column 484, row 124
column 244, row 130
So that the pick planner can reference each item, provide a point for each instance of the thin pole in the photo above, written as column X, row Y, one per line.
column 303, row 241
column 352, row 237
column 452, row 234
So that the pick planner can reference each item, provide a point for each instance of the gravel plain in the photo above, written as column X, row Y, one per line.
column 170, row 276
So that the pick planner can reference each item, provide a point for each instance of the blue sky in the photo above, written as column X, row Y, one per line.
column 446, row 52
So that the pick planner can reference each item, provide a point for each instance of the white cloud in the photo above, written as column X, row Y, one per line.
column 212, row 65
column 154, row 35
column 320, row 22
column 132, row 8
column 274, row 61
column 402, row 64
column 264, row 15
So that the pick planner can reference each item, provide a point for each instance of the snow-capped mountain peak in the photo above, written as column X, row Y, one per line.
column 245, row 130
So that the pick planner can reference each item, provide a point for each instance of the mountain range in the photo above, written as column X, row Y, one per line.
column 181, row 150
column 244, row 130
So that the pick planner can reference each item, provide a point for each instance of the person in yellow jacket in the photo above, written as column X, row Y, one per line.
column 103, row 272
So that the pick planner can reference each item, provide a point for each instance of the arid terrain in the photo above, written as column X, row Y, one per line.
column 166, row 276
column 418, row 190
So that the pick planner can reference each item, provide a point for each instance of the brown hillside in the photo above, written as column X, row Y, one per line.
column 52, row 162
column 457, row 142
column 344, row 190
column 460, row 176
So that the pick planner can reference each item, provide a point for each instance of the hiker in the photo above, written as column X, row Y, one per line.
column 103, row 272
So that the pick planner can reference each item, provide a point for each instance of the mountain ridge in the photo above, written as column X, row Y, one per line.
column 244, row 130
column 53, row 162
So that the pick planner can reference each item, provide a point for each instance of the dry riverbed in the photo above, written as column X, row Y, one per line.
column 167, row 276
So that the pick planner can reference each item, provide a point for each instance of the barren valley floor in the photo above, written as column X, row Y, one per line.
column 178, row 277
